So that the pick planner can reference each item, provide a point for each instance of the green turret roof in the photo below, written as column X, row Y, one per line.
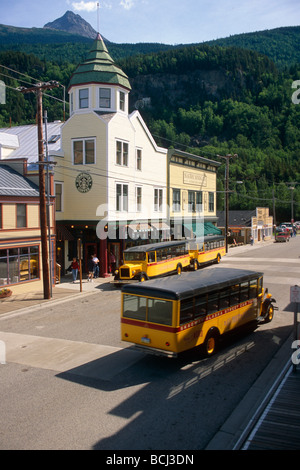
column 99, row 67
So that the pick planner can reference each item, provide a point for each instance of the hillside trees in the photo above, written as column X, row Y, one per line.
column 205, row 100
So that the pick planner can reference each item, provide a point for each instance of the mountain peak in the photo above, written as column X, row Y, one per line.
column 72, row 23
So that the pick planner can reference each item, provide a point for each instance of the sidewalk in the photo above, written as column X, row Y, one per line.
column 60, row 293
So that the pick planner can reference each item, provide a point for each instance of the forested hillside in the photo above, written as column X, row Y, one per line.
column 205, row 100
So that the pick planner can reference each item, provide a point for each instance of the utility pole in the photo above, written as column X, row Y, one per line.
column 38, row 89
column 227, row 157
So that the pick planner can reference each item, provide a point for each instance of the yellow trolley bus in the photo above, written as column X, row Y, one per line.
column 144, row 262
column 175, row 314
column 206, row 250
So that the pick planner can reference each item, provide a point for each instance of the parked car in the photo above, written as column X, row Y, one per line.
column 286, row 226
column 282, row 236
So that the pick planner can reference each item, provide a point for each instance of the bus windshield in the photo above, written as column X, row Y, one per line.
column 147, row 309
column 134, row 256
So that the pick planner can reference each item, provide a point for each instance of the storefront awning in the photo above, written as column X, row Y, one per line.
column 160, row 226
column 139, row 227
column 201, row 229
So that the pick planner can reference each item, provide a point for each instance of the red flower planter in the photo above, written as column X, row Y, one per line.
column 5, row 294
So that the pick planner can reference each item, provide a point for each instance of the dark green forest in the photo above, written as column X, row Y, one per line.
column 207, row 100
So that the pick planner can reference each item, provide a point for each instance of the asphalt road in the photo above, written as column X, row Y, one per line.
column 70, row 383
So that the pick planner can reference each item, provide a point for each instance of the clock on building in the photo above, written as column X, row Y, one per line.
column 83, row 182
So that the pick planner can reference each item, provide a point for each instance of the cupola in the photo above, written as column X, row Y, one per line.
column 98, row 84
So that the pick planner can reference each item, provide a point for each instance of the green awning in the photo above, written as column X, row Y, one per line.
column 202, row 229
column 211, row 229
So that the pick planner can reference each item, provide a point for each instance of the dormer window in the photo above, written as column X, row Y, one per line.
column 84, row 98
column 104, row 98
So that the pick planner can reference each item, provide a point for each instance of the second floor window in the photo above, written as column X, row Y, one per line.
column 191, row 201
column 158, row 199
column 21, row 215
column 211, row 202
column 138, row 195
column 176, row 200
column 84, row 152
column 121, row 197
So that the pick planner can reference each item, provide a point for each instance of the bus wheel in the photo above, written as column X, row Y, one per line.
column 179, row 269
column 143, row 277
column 195, row 265
column 218, row 258
column 270, row 314
column 210, row 344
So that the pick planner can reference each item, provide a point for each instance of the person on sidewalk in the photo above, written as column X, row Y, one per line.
column 96, row 266
column 74, row 267
column 90, row 266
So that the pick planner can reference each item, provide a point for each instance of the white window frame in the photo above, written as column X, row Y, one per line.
column 138, row 159
column 123, row 161
column 122, row 203
column 59, row 183
column 110, row 98
column 84, row 140
column 122, row 102
column 158, row 199
column 88, row 98
column 139, row 204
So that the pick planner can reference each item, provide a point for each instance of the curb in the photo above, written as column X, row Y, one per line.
column 45, row 304
column 238, row 426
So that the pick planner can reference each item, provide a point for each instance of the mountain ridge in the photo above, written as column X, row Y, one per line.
column 72, row 23
column 282, row 45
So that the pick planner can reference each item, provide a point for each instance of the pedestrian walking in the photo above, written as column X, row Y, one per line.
column 74, row 267
column 96, row 266
column 90, row 265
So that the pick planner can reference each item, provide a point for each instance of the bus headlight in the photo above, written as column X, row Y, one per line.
column 116, row 271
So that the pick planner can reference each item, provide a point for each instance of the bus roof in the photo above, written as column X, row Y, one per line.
column 192, row 283
column 157, row 246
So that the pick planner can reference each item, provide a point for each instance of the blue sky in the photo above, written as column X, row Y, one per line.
column 164, row 21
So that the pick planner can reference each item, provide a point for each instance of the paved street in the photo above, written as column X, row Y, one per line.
column 70, row 383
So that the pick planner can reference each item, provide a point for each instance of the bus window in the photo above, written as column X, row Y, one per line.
column 151, row 257
column 200, row 306
column 134, row 256
column 224, row 299
column 253, row 289
column 212, row 303
column 159, row 311
column 234, row 295
column 134, row 307
column 186, row 310
column 244, row 291
column 260, row 285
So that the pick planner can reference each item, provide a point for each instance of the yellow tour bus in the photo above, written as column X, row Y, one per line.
column 144, row 262
column 175, row 314
column 206, row 250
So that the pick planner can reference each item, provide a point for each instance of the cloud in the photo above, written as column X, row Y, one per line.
column 85, row 6
column 127, row 4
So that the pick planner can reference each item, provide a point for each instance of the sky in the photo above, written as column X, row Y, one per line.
column 163, row 21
